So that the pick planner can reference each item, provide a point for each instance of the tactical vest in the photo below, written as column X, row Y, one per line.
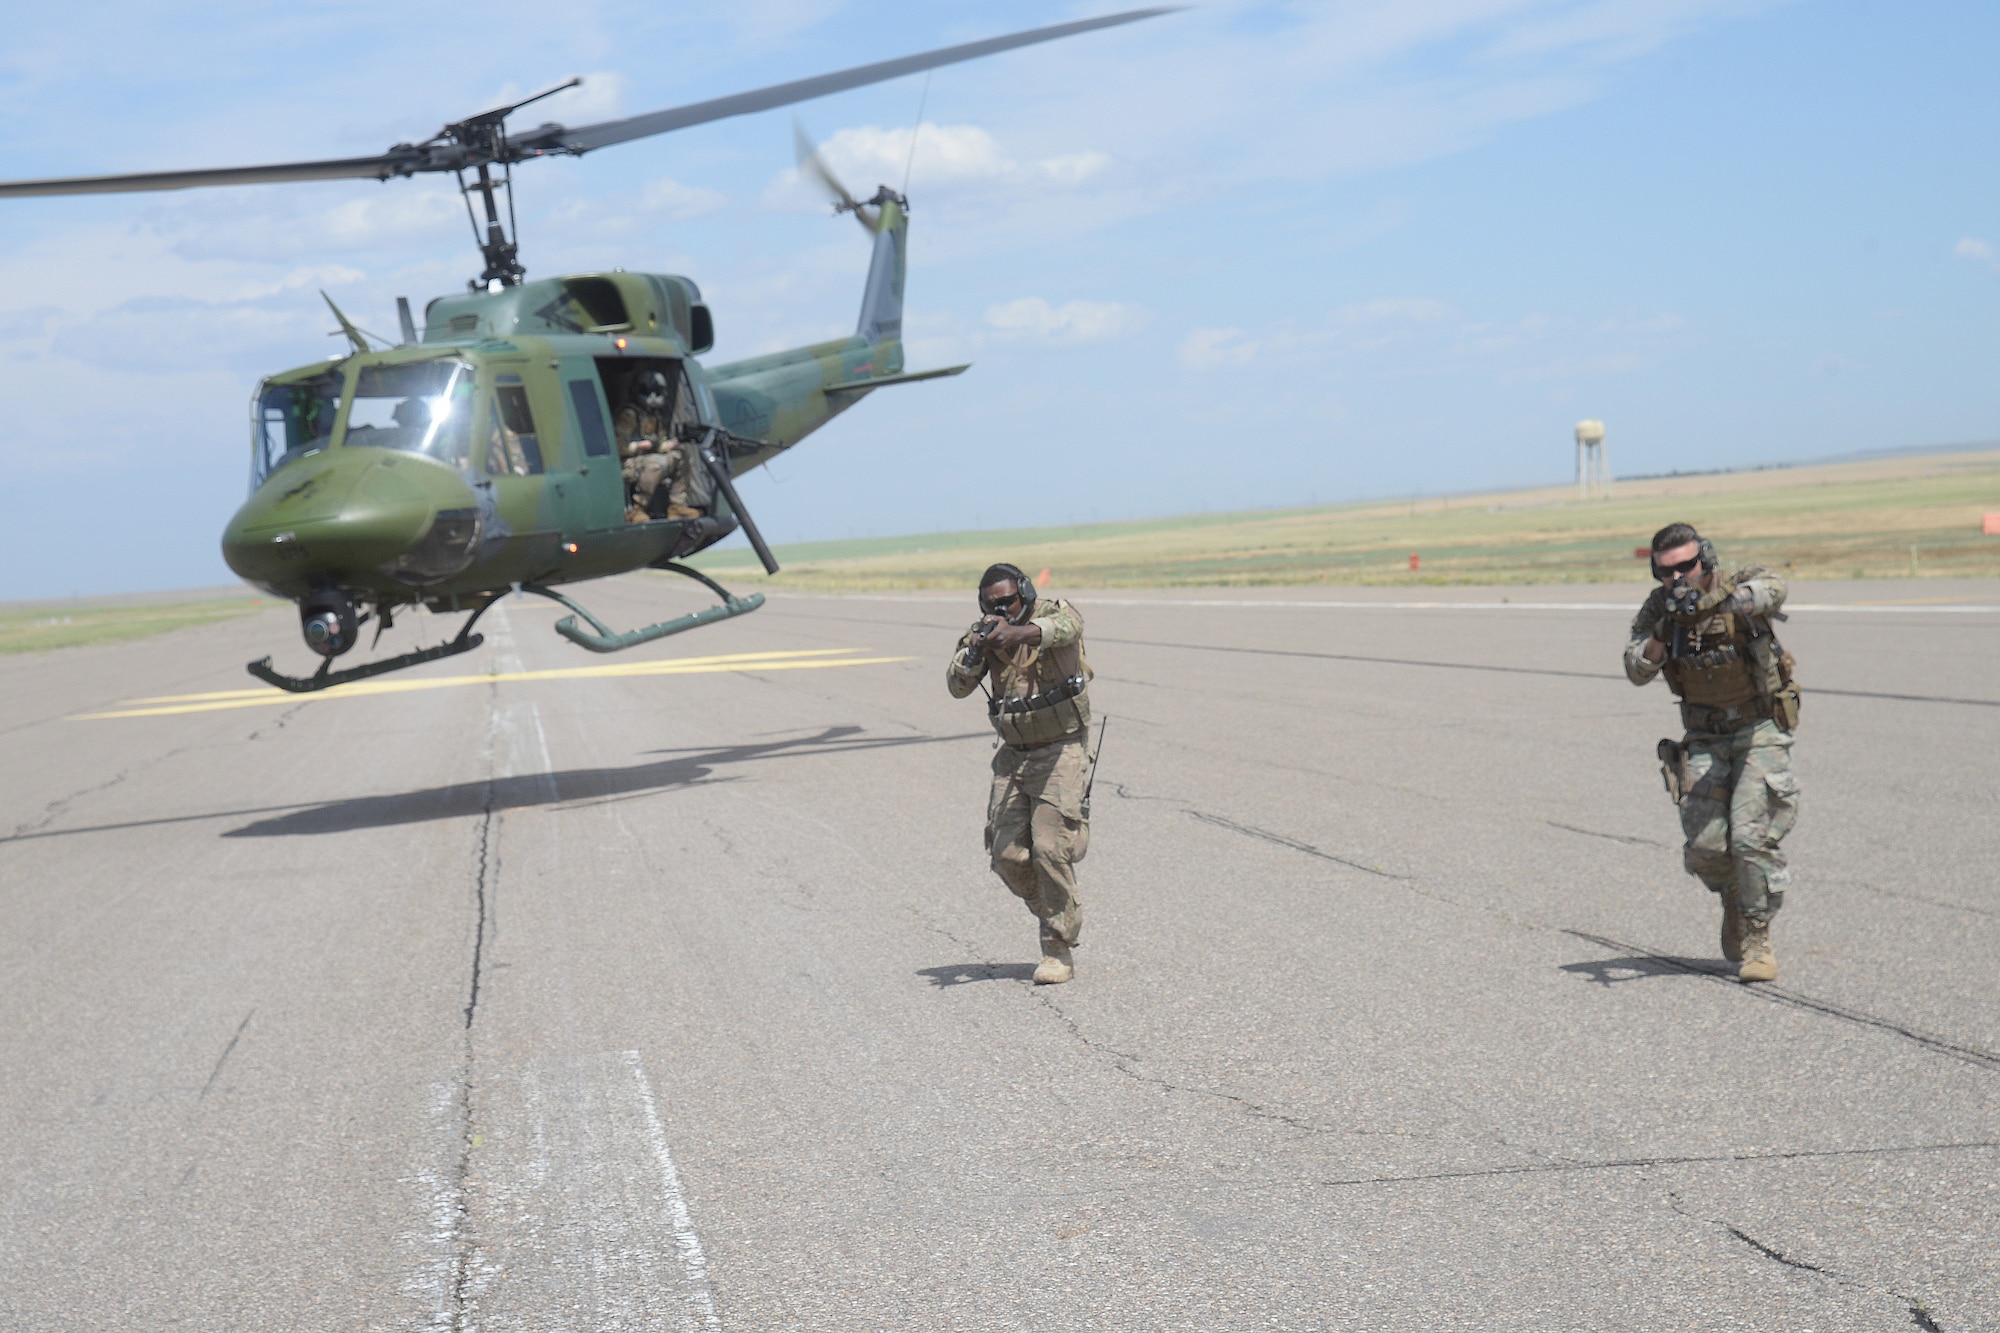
column 633, row 424
column 1056, row 711
column 1720, row 666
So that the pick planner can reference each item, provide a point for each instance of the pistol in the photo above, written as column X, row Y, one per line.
column 1673, row 768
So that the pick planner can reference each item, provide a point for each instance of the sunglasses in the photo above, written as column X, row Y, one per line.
column 1686, row 566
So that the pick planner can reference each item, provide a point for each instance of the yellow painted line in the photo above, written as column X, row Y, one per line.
column 362, row 689
column 380, row 686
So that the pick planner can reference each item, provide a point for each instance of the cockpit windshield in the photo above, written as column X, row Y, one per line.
column 422, row 407
column 290, row 421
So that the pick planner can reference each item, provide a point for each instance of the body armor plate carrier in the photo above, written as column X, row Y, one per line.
column 1730, row 671
column 1054, row 714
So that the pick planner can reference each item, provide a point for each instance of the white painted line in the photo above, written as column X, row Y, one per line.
column 700, row 1301
column 1630, row 608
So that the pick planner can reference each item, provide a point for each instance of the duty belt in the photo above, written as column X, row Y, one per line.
column 1031, row 703
column 1700, row 717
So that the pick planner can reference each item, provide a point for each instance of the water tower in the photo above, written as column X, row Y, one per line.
column 1593, row 474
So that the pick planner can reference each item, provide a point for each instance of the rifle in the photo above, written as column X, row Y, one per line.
column 1102, row 724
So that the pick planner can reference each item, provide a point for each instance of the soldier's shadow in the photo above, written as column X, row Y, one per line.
column 1639, row 967
column 958, row 974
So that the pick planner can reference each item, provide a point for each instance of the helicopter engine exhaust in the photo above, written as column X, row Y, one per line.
column 330, row 622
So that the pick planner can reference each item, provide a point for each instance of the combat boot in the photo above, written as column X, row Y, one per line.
column 1057, row 965
column 1759, row 963
column 1732, row 929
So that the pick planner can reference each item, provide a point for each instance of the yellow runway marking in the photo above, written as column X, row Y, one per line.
column 798, row 660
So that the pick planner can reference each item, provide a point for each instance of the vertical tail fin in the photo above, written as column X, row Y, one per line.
column 882, row 298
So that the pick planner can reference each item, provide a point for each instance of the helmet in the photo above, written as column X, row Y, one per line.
column 650, row 390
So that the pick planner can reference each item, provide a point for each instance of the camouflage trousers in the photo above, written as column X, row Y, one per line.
column 645, row 472
column 1036, row 832
column 1742, row 801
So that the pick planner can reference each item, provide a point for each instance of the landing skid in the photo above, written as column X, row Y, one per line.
column 605, row 640
column 327, row 677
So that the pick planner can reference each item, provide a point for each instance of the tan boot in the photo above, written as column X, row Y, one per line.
column 1057, row 966
column 1759, row 963
column 1732, row 929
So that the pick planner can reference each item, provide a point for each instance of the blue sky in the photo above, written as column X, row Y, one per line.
column 1246, row 255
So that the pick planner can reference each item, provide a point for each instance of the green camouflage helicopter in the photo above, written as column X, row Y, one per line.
column 477, row 456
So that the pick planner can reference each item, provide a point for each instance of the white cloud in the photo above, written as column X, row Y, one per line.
column 1071, row 322
column 1217, row 349
column 1976, row 250
column 277, row 227
column 947, row 156
column 672, row 199
column 1394, row 336
column 1391, row 310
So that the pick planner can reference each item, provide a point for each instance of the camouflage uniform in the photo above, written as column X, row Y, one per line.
column 1739, row 708
column 668, row 462
column 1036, row 825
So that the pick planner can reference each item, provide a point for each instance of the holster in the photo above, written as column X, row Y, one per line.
column 1673, row 768
column 1785, row 708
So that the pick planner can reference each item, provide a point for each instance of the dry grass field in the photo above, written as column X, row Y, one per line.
column 30, row 627
column 1879, row 518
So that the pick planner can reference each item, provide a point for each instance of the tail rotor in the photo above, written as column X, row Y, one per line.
column 868, row 214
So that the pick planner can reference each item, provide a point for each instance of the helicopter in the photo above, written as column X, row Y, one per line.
column 478, row 456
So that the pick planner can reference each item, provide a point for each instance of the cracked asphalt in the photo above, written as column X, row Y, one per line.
column 682, row 998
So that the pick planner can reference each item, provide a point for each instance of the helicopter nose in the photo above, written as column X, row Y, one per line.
column 343, row 523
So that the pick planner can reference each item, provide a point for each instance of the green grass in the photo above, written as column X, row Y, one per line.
column 50, row 625
column 1836, row 520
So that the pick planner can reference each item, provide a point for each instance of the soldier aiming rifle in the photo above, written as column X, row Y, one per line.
column 1027, row 653
column 1731, row 772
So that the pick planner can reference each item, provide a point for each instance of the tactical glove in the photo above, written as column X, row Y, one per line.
column 1714, row 599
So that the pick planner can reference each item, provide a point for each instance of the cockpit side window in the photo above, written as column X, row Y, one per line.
column 512, row 447
column 422, row 407
column 289, row 421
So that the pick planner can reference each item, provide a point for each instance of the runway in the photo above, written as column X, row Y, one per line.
column 538, row 990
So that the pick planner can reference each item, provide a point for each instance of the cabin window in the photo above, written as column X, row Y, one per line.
column 595, row 305
column 512, row 447
column 422, row 407
column 291, row 421
column 590, row 416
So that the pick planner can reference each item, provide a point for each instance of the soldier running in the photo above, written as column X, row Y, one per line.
column 1037, row 818
column 1731, row 774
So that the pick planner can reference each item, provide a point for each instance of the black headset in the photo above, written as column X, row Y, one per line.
column 1705, row 552
column 1023, row 585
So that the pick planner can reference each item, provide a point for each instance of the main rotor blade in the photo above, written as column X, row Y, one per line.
column 584, row 138
column 380, row 167
column 438, row 155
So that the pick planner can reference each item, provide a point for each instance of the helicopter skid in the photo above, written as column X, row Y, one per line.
column 324, row 677
column 606, row 640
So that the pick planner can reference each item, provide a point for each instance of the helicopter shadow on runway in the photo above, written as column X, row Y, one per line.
column 576, row 785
